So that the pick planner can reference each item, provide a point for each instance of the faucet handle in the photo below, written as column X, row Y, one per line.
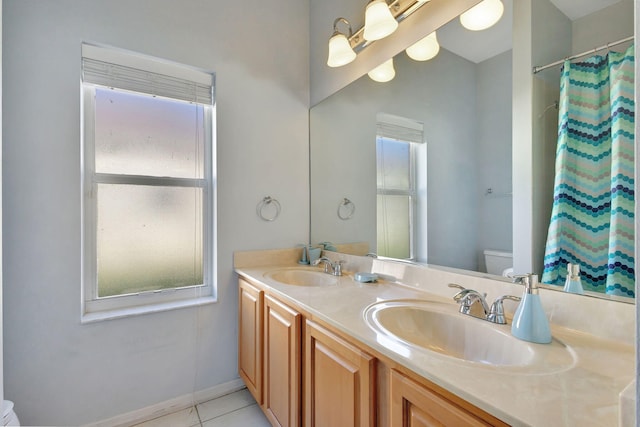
column 455, row 285
column 467, row 296
column 496, row 313
column 337, row 267
column 327, row 263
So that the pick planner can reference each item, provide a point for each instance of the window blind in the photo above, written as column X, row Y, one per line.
column 399, row 128
column 120, row 69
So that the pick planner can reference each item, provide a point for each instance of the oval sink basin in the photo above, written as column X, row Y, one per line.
column 440, row 328
column 301, row 277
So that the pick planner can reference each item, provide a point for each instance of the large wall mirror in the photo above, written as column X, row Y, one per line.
column 440, row 133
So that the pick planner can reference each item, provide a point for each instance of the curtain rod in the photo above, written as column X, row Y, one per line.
column 607, row 46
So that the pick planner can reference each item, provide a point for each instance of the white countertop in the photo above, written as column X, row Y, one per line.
column 581, row 389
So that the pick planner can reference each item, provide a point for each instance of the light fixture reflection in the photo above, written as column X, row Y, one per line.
column 340, row 50
column 378, row 20
column 424, row 49
column 483, row 15
column 384, row 72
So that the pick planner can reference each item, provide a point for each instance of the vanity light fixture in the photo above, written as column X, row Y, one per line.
column 340, row 50
column 381, row 19
column 383, row 72
column 424, row 49
column 483, row 15
column 378, row 20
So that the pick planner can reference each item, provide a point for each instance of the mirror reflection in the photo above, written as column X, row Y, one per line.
column 592, row 218
column 426, row 158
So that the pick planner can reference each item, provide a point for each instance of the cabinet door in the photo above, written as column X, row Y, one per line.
column 413, row 405
column 250, row 338
column 282, row 363
column 339, row 381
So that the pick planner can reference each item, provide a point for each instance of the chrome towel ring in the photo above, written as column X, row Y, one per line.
column 346, row 209
column 268, row 209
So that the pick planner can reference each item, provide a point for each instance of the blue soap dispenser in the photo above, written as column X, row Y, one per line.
column 303, row 257
column 573, row 283
column 530, row 322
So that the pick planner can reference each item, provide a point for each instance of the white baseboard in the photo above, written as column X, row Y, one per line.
column 169, row 406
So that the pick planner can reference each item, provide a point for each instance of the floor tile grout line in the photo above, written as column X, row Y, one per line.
column 198, row 415
column 171, row 414
column 200, row 423
column 230, row 412
column 234, row 410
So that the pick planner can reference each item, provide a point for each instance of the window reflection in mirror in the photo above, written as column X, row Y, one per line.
column 401, row 187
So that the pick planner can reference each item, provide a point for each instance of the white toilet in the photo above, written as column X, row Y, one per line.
column 498, row 262
column 9, row 417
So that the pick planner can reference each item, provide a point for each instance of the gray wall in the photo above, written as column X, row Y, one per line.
column 607, row 25
column 58, row 371
column 494, row 154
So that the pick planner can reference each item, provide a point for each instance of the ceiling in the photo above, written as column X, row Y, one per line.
column 486, row 44
column 575, row 9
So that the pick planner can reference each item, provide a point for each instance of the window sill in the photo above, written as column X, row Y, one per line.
column 145, row 309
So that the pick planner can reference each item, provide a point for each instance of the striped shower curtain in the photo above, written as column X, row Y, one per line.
column 592, row 220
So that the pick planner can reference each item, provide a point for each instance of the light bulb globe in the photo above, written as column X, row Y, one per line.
column 378, row 21
column 383, row 72
column 340, row 51
column 483, row 15
column 424, row 49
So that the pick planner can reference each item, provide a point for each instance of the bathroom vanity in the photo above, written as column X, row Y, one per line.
column 316, row 349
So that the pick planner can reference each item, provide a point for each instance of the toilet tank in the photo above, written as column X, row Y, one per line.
column 497, row 261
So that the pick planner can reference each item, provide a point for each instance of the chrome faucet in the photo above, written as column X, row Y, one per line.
column 473, row 303
column 330, row 267
column 496, row 313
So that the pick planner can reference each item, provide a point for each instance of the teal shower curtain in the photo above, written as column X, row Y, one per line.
column 592, row 220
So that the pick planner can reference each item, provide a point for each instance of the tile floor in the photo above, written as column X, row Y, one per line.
column 237, row 409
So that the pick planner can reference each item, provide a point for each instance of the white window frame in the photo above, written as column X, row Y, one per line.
column 96, row 308
column 410, row 193
column 405, row 130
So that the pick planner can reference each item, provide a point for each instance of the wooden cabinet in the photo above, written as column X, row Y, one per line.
column 250, row 337
column 282, row 363
column 302, row 372
column 339, row 381
column 414, row 405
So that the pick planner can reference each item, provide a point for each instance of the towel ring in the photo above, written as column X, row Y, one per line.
column 346, row 209
column 264, row 204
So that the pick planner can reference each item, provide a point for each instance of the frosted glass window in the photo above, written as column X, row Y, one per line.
column 396, row 181
column 148, row 184
column 148, row 238
column 393, row 158
column 144, row 135
column 394, row 227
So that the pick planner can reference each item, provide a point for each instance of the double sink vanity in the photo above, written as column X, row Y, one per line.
column 320, row 349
